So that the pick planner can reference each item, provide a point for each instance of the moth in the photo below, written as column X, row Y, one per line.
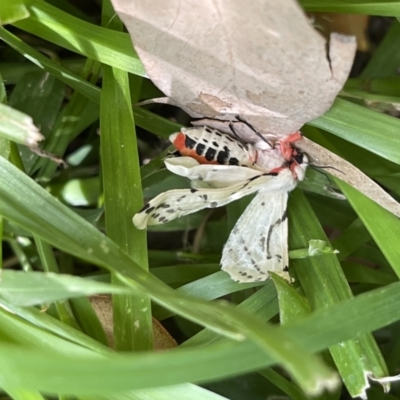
column 221, row 170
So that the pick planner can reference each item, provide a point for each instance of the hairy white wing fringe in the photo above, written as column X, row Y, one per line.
column 258, row 243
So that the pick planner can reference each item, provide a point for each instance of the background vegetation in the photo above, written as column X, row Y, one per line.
column 75, row 73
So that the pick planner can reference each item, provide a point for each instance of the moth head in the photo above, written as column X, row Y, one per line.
column 299, row 165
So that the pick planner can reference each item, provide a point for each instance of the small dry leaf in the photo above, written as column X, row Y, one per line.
column 102, row 305
column 219, row 59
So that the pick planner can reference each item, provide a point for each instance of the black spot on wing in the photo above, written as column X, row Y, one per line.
column 163, row 205
column 213, row 204
column 208, row 130
column 189, row 142
column 200, row 149
column 223, row 156
column 193, row 190
column 145, row 207
column 215, row 144
column 149, row 210
column 270, row 230
column 233, row 161
column 210, row 154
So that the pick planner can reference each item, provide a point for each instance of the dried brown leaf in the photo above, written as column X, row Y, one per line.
column 350, row 174
column 218, row 59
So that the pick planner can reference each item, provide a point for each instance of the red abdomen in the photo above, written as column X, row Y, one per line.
column 208, row 146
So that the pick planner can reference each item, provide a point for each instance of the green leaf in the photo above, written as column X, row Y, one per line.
column 351, row 121
column 387, row 8
column 65, row 230
column 13, row 11
column 63, row 74
column 123, row 197
column 324, row 283
column 384, row 227
column 32, row 288
column 292, row 304
column 101, row 44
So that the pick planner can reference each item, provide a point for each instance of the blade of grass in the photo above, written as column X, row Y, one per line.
column 178, row 392
column 383, row 226
column 41, row 370
column 50, row 91
column 64, row 229
column 49, row 264
column 76, row 116
column 101, row 44
column 12, row 12
column 369, row 7
column 123, row 197
column 63, row 74
column 324, row 283
column 349, row 121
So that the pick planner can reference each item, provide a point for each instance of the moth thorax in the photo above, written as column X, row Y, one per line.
column 270, row 159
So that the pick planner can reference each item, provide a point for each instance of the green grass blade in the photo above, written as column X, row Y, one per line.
column 33, row 288
column 62, row 228
column 383, row 226
column 179, row 392
column 12, row 12
column 40, row 370
column 349, row 121
column 122, row 199
column 63, row 74
column 101, row 44
column 386, row 8
column 324, row 283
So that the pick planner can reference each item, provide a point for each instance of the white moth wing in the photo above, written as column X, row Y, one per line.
column 177, row 203
column 257, row 244
column 217, row 176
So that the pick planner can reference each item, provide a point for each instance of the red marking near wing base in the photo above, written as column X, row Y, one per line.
column 285, row 145
column 179, row 141
column 288, row 152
